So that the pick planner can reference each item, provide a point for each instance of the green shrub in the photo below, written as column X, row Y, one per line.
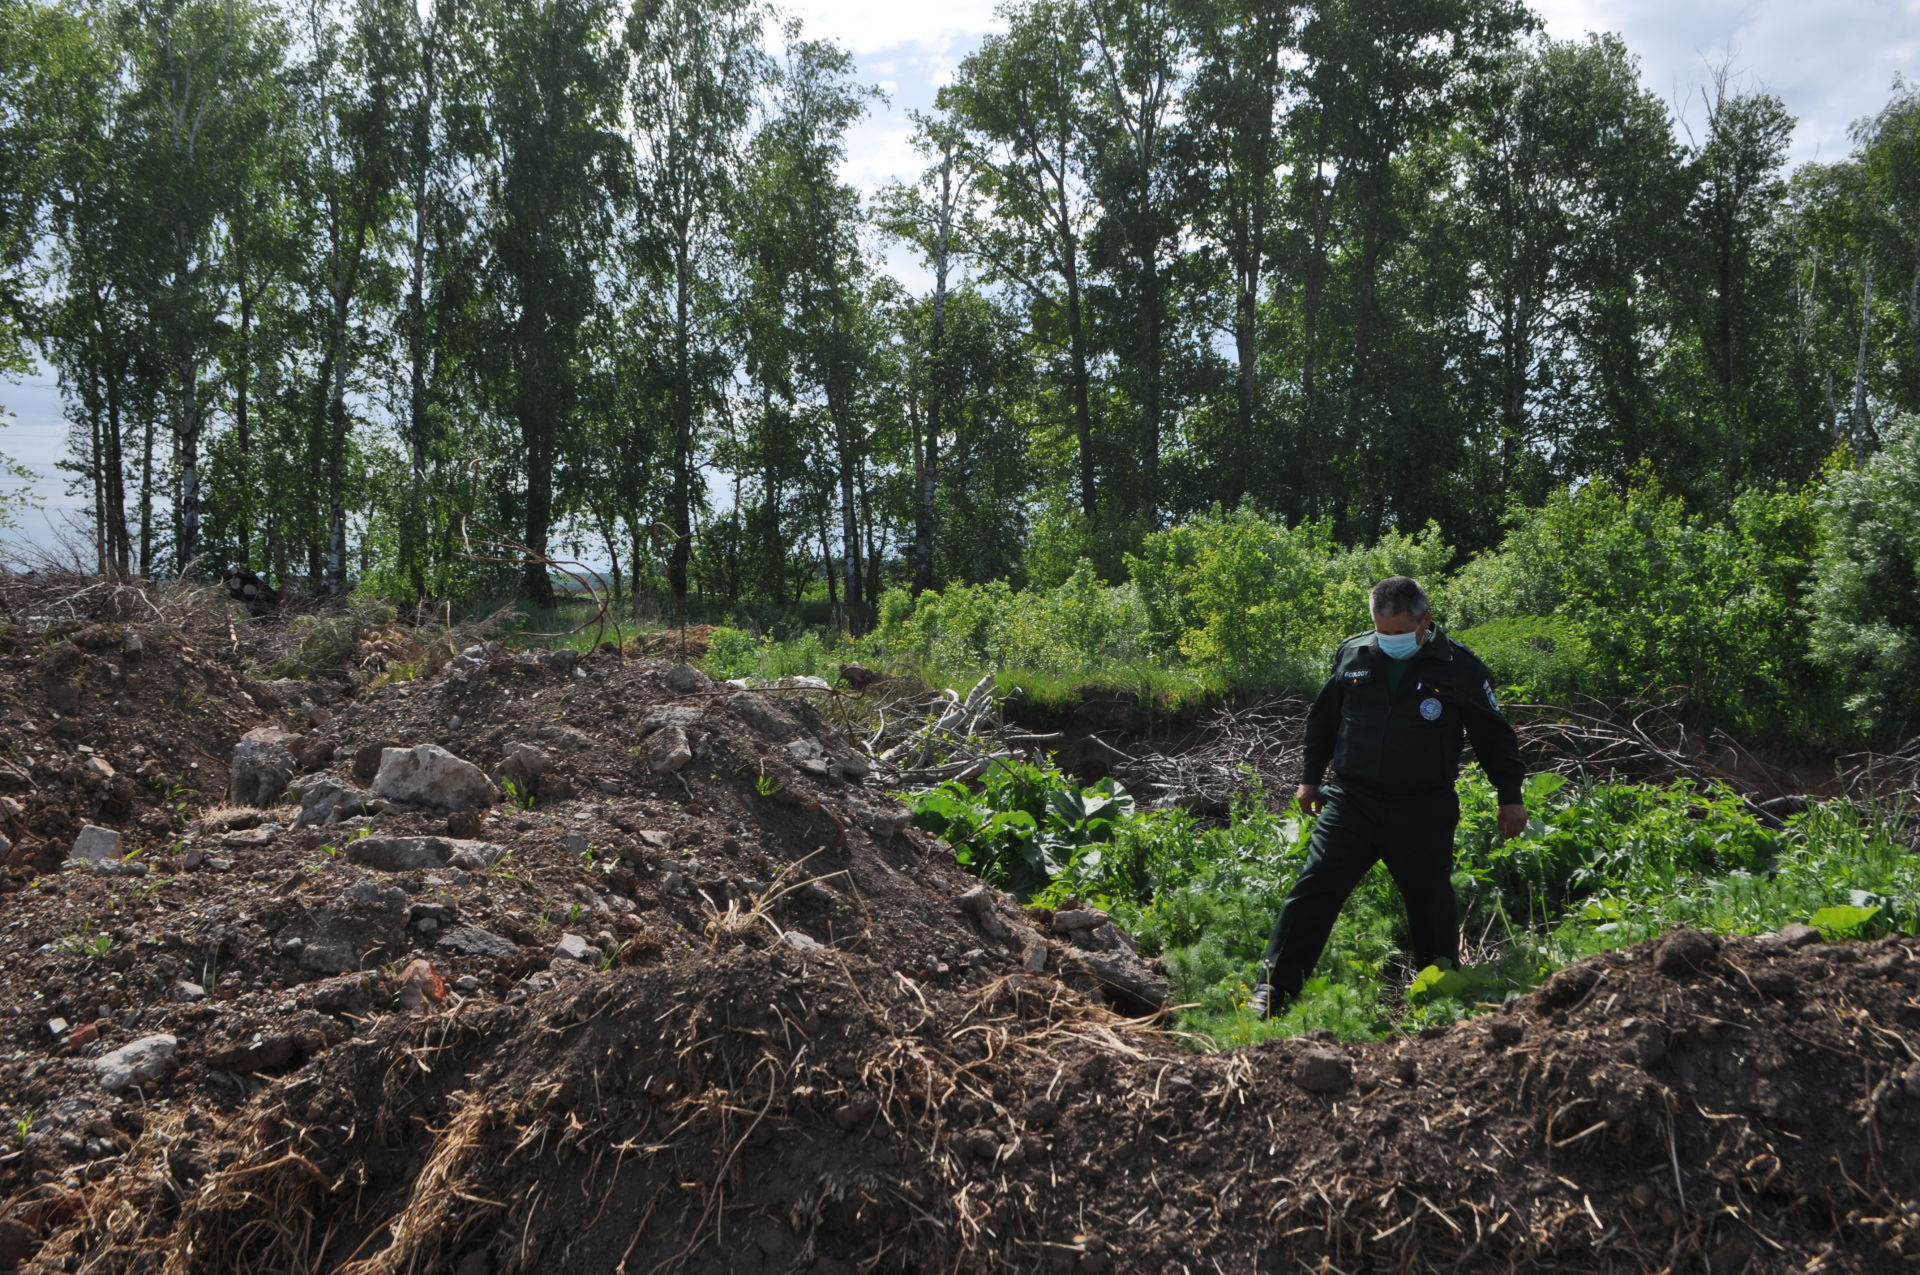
column 1024, row 826
column 737, row 653
column 1600, row 867
column 1077, row 628
column 1538, row 658
column 1866, row 592
column 1258, row 603
column 1655, row 602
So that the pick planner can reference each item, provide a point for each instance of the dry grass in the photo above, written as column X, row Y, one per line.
column 442, row 1210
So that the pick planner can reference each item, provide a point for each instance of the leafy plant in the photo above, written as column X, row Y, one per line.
column 1025, row 825
column 93, row 948
column 1600, row 866
column 518, row 794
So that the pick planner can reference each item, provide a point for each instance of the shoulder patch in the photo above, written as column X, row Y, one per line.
column 1493, row 701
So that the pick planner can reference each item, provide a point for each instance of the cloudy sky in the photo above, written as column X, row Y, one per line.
column 1832, row 63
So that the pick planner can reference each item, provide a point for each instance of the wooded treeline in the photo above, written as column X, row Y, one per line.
column 322, row 279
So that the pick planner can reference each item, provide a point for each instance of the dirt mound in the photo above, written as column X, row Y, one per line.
column 690, row 995
column 775, row 1110
column 125, row 726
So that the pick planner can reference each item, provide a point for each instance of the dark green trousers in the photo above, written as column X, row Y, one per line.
column 1412, row 834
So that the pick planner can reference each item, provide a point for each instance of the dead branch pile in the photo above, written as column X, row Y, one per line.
column 1235, row 750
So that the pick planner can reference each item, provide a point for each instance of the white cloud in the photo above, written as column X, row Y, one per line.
column 880, row 150
column 1831, row 63
column 868, row 27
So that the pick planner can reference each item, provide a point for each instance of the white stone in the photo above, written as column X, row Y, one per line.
column 669, row 750
column 140, row 1063
column 429, row 775
column 96, row 844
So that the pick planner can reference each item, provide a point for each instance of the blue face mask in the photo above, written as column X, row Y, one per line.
column 1398, row 645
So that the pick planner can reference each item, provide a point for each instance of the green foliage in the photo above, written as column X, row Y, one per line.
column 1842, row 921
column 1080, row 627
column 1537, row 658
column 1600, row 867
column 1025, row 825
column 16, row 500
column 1635, row 596
column 93, row 948
column 737, row 653
column 1258, row 603
column 518, row 794
column 1866, row 621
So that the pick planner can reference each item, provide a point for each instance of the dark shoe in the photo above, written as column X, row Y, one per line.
column 1269, row 1001
column 1263, row 1003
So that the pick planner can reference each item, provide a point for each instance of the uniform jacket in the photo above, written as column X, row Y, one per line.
column 1409, row 740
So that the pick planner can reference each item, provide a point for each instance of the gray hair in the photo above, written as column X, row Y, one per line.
column 1399, row 595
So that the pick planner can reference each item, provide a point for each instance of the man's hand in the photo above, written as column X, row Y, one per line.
column 1308, row 795
column 1513, row 820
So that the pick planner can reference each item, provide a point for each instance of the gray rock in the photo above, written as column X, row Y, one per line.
column 401, row 854
column 887, row 821
column 765, row 716
column 96, row 844
column 252, row 838
column 326, row 800
column 1076, row 919
column 560, row 661
column 685, row 679
column 681, row 715
column 669, row 751
column 572, row 947
column 853, row 765
column 262, row 767
column 802, row 942
column 1323, row 1071
column 803, row 682
column 6, row 846
column 185, row 991
column 524, row 765
column 977, row 900
column 142, row 1062
column 429, row 775
column 475, row 856
column 351, row 994
column 411, row 854
column 1798, row 935
column 365, row 916
column 575, row 843
column 1125, row 979
column 471, row 940
column 119, row 868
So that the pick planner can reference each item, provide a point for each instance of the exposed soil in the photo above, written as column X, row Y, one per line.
column 723, row 1011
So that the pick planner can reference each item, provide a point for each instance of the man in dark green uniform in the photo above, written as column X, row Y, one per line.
column 1390, row 720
